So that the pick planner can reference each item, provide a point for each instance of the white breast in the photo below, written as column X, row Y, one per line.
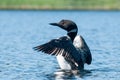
column 77, row 41
column 63, row 63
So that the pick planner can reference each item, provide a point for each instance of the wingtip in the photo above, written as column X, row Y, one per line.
column 36, row 49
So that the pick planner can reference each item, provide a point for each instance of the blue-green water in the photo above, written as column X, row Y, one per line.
column 20, row 31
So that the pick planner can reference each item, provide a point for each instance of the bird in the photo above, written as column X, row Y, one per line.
column 71, row 50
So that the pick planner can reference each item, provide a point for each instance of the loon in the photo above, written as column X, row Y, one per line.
column 71, row 50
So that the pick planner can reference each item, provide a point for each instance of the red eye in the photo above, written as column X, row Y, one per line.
column 62, row 22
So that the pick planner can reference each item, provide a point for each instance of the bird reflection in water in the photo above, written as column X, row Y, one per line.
column 70, row 74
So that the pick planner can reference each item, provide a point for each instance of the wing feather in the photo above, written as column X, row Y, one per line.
column 83, row 48
column 62, row 46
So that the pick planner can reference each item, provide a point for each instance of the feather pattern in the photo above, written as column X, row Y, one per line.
column 83, row 49
column 62, row 46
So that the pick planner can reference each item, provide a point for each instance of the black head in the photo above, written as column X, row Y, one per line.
column 69, row 26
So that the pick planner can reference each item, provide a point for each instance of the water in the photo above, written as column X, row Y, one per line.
column 20, row 31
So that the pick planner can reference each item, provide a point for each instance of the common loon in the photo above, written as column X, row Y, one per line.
column 71, row 50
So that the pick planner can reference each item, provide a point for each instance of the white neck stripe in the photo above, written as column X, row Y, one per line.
column 73, row 30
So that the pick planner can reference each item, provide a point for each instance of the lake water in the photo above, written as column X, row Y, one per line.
column 20, row 31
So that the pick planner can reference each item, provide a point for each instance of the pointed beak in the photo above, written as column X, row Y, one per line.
column 54, row 24
column 57, row 24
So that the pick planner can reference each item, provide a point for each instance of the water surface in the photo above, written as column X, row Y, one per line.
column 20, row 31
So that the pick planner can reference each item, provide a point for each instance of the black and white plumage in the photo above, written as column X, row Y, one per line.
column 71, row 50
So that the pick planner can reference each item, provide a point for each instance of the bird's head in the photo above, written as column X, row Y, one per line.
column 67, row 25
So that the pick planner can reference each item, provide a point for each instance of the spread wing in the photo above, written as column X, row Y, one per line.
column 83, row 48
column 62, row 46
